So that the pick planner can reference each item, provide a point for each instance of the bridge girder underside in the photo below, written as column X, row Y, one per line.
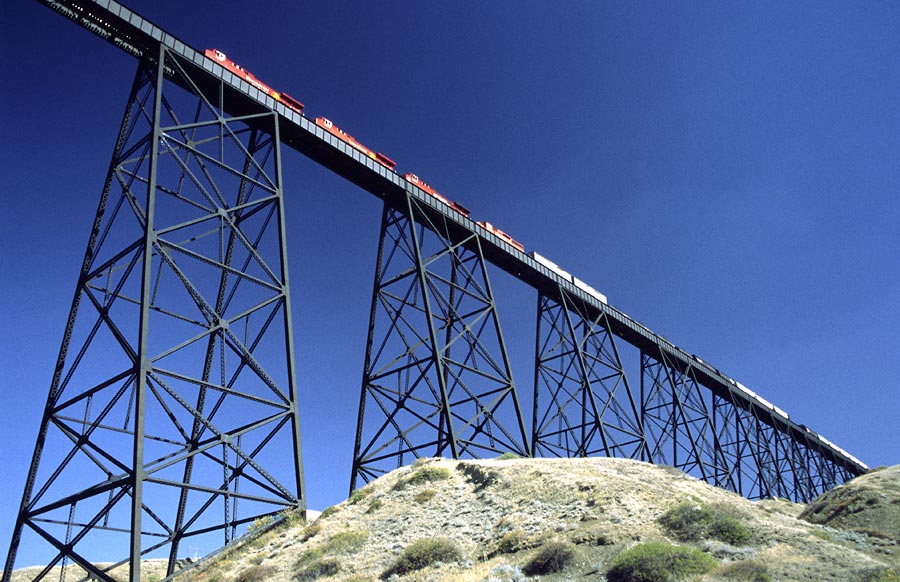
column 172, row 418
column 437, row 378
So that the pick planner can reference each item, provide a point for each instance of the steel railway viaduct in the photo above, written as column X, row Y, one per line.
column 172, row 415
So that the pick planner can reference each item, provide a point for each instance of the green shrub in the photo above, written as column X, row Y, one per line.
column 340, row 543
column 729, row 530
column 424, row 475
column 423, row 553
column 507, row 456
column 747, row 571
column 256, row 574
column 360, row 494
column 328, row 511
column 293, row 517
column 696, row 521
column 260, row 523
column 555, row 556
column 375, row 506
column 658, row 562
column 346, row 541
column 317, row 569
column 309, row 531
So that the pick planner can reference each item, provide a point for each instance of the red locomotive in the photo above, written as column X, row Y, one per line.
column 424, row 186
column 219, row 57
column 331, row 128
column 502, row 235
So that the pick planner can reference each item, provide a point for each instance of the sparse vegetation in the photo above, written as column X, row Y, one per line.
column 345, row 541
column 554, row 556
column 342, row 542
column 747, row 571
column 423, row 553
column 309, row 531
column 328, row 512
column 424, row 496
column 880, row 575
column 510, row 543
column 260, row 523
column 423, row 475
column 360, row 494
column 422, row 461
column 697, row 521
column 255, row 574
column 658, row 562
column 318, row 569
column 374, row 506
column 871, row 505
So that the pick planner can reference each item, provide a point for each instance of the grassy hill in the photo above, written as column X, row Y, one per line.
column 568, row 519
column 573, row 519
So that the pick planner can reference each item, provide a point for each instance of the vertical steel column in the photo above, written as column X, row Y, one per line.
column 172, row 414
column 583, row 404
column 436, row 378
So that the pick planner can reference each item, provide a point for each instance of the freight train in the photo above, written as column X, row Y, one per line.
column 329, row 126
column 220, row 57
column 334, row 130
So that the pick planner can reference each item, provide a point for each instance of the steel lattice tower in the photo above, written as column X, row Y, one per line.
column 437, row 379
column 172, row 414
column 583, row 404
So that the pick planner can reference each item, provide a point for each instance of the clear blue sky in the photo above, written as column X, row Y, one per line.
column 727, row 175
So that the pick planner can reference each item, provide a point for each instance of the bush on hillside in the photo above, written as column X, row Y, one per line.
column 554, row 557
column 424, row 475
column 423, row 553
column 695, row 521
column 658, row 562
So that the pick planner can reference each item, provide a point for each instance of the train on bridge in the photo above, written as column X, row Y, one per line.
column 222, row 59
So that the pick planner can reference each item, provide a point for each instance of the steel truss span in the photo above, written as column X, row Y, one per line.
column 718, row 440
column 172, row 418
column 172, row 414
column 436, row 380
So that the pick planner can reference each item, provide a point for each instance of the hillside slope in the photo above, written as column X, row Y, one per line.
column 500, row 519
column 870, row 504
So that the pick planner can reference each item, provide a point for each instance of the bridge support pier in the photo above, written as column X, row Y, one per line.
column 583, row 404
column 172, row 422
column 436, row 379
